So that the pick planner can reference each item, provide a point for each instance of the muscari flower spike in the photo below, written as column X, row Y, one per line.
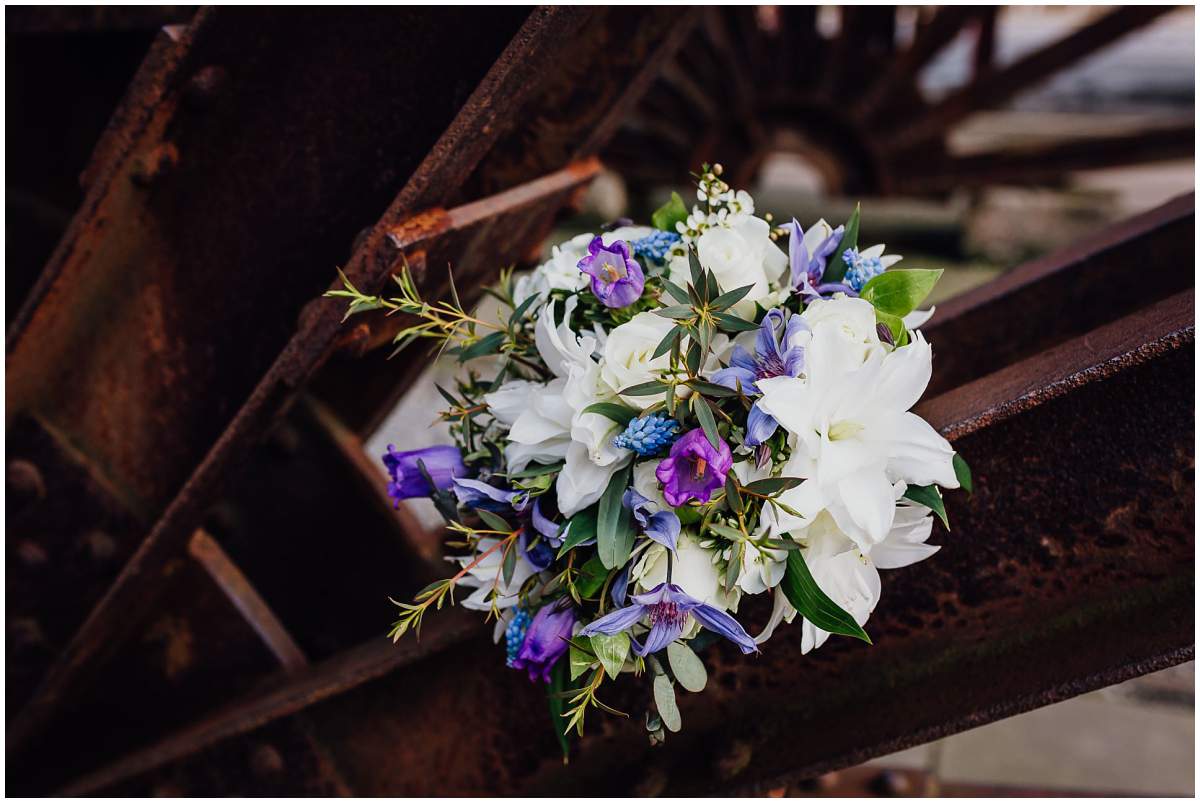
column 861, row 268
column 514, row 634
column 654, row 246
column 648, row 435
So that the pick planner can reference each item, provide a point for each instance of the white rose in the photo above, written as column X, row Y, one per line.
column 628, row 355
column 852, row 318
column 560, row 272
column 740, row 255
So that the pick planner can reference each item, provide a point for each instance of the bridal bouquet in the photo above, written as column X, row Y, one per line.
column 667, row 419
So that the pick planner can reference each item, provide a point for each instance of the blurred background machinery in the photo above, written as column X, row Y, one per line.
column 199, row 545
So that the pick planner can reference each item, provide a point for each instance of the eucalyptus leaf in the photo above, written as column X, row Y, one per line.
column 772, row 485
column 489, row 344
column 494, row 521
column 732, row 323
column 676, row 292
column 611, row 650
column 727, row 300
column 930, row 497
column 711, row 389
column 807, row 597
column 686, row 665
column 732, row 497
column 664, row 699
column 898, row 292
column 644, row 389
column 707, row 422
column 668, row 342
column 510, row 564
column 679, row 312
column 697, row 272
column 672, row 212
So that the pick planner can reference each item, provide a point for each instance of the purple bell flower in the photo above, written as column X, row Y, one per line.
column 444, row 464
column 617, row 278
column 777, row 353
column 808, row 269
column 546, row 640
column 694, row 469
column 667, row 608
column 660, row 526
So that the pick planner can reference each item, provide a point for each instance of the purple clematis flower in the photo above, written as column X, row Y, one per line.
column 546, row 639
column 667, row 607
column 550, row 532
column 661, row 526
column 777, row 353
column 808, row 269
column 694, row 469
column 477, row 493
column 617, row 278
column 444, row 464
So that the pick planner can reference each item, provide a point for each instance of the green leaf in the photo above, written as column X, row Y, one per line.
column 732, row 496
column 963, row 472
column 482, row 347
column 614, row 530
column 732, row 323
column 836, row 269
column 664, row 699
column 930, row 497
column 615, row 412
column 895, row 325
column 725, row 531
column 807, row 597
column 644, row 389
column 697, row 272
column 493, row 521
column 707, row 422
column 591, row 577
column 581, row 527
column 727, row 300
column 898, row 292
column 676, row 292
column 687, row 666
column 773, row 485
column 611, row 650
column 668, row 342
column 694, row 356
column 711, row 389
column 579, row 660
column 734, row 567
column 510, row 563
column 688, row 514
column 679, row 312
column 558, row 682
column 670, row 213
column 536, row 470
column 520, row 310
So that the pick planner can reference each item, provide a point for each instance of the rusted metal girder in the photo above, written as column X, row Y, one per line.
column 187, row 235
column 1070, row 568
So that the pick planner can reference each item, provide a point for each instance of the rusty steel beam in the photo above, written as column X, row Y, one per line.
column 1062, row 295
column 245, row 597
column 492, row 110
column 994, row 87
column 1054, row 506
column 1051, row 162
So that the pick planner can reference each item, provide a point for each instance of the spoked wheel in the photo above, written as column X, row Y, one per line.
column 754, row 81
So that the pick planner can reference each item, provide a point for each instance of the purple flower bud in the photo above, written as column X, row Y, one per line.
column 546, row 639
column 443, row 463
column 617, row 279
column 694, row 469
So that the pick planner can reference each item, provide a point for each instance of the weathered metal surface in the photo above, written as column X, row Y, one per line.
column 515, row 78
column 1062, row 295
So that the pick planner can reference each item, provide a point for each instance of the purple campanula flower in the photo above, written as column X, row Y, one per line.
column 694, row 469
column 617, row 278
column 777, row 353
column 809, row 268
column 444, row 464
column 667, row 608
column 660, row 526
column 546, row 639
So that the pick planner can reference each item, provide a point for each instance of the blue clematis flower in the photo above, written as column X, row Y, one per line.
column 667, row 609
column 660, row 526
column 809, row 260
column 477, row 493
column 777, row 353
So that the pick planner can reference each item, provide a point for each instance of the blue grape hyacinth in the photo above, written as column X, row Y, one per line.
column 860, row 268
column 514, row 634
column 648, row 436
column 655, row 246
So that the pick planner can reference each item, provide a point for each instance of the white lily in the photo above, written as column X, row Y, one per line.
column 851, row 421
